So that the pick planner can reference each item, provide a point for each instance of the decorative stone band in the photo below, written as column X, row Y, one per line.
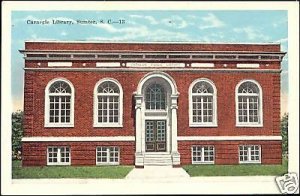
column 132, row 138
column 156, row 55
column 129, row 69
column 155, row 64
column 78, row 139
column 228, row 138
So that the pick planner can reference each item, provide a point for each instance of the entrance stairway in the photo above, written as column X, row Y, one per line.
column 159, row 159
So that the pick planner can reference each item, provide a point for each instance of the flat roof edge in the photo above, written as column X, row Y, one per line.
column 149, row 42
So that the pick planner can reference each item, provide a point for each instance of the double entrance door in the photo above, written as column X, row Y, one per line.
column 155, row 135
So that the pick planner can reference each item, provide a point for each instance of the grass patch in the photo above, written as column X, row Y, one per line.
column 237, row 170
column 112, row 172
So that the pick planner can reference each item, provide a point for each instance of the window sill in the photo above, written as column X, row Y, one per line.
column 59, row 125
column 203, row 125
column 203, row 163
column 107, row 163
column 250, row 162
column 107, row 125
column 249, row 125
column 58, row 164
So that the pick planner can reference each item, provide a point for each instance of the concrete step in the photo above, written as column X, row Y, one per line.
column 157, row 159
column 157, row 164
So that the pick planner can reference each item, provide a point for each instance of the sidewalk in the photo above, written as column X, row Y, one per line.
column 142, row 181
column 155, row 173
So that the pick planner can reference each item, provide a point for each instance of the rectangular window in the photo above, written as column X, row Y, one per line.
column 202, row 109
column 203, row 154
column 60, row 109
column 248, row 109
column 250, row 154
column 108, row 109
column 59, row 156
column 107, row 155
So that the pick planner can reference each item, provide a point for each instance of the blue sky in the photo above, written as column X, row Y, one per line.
column 202, row 26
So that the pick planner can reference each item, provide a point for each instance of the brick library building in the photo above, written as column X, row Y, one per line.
column 151, row 103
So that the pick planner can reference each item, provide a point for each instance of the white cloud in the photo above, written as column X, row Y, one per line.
column 282, row 40
column 106, row 27
column 218, row 35
column 211, row 21
column 192, row 16
column 278, row 23
column 34, row 36
column 29, row 17
column 151, row 19
column 63, row 33
column 143, row 32
column 175, row 22
column 252, row 33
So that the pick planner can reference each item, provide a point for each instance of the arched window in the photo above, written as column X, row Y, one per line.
column 249, row 103
column 202, row 103
column 108, row 106
column 59, row 103
column 155, row 97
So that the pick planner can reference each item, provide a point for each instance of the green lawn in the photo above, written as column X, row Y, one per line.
column 69, row 171
column 237, row 170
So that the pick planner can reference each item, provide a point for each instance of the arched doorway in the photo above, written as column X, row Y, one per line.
column 156, row 117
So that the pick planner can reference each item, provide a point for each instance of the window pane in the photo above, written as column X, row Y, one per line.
column 155, row 97
column 202, row 87
column 108, row 109
column 60, row 87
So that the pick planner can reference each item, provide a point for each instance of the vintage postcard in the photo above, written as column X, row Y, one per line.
column 150, row 98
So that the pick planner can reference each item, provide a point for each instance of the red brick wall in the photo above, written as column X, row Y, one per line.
column 227, row 152
column 84, row 83
column 151, row 47
column 82, row 153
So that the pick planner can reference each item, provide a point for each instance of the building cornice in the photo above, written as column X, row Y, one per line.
column 69, row 55
column 149, row 42
column 106, row 69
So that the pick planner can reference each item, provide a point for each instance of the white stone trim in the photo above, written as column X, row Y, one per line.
column 79, row 139
column 59, row 64
column 157, row 74
column 170, row 115
column 95, row 106
column 128, row 69
column 215, row 111
column 202, row 65
column 108, row 64
column 152, row 42
column 247, row 65
column 227, row 138
column 260, row 101
column 155, row 64
column 132, row 138
column 47, row 105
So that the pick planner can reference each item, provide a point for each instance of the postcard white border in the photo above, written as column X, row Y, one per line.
column 262, row 185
